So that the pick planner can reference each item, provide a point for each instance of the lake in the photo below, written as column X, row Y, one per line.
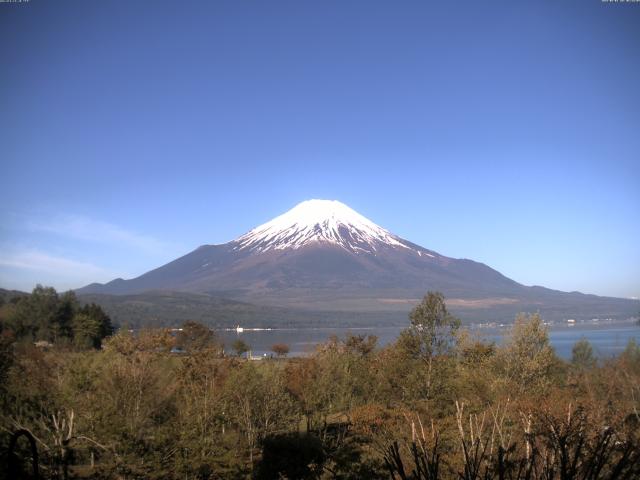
column 607, row 338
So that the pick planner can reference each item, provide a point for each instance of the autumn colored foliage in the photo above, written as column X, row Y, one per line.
column 439, row 403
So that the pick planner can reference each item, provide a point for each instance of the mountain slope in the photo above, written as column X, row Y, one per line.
column 322, row 255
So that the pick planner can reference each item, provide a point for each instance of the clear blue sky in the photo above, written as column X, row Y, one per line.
column 506, row 132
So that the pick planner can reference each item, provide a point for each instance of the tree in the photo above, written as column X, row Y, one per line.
column 631, row 354
column 7, row 357
column 86, row 331
column 45, row 315
column 195, row 337
column 280, row 349
column 257, row 402
column 582, row 354
column 33, row 317
column 126, row 343
column 240, row 347
column 528, row 357
column 90, row 325
column 361, row 344
column 62, row 321
column 301, row 382
column 96, row 312
column 432, row 332
column 200, row 408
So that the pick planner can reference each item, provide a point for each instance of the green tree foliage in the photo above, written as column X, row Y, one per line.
column 631, row 354
column 86, row 331
column 582, row 354
column 475, row 363
column 432, row 333
column 98, row 314
column 34, row 317
column 528, row 359
column 59, row 319
column 62, row 321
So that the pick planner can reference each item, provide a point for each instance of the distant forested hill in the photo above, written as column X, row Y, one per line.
column 171, row 309
column 7, row 295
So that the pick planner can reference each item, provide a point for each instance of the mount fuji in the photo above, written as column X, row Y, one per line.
column 323, row 256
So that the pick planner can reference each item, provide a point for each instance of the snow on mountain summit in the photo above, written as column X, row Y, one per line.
column 323, row 221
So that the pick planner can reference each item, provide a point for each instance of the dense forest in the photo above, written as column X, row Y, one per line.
column 439, row 403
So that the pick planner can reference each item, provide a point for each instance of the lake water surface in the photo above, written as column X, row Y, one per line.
column 607, row 338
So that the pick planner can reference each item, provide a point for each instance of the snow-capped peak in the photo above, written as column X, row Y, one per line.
column 325, row 221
